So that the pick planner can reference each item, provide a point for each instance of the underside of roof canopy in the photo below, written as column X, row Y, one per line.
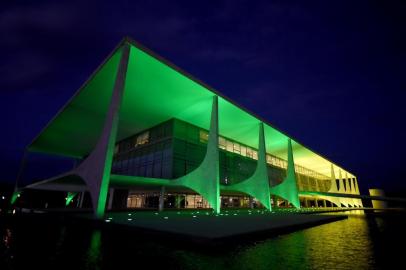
column 155, row 91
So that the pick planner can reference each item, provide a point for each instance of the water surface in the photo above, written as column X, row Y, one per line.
column 360, row 242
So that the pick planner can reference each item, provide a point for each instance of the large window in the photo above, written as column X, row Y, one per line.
column 141, row 139
column 183, row 150
column 135, row 201
column 196, row 201
column 229, row 146
column 151, row 160
column 222, row 143
column 284, row 164
column 249, row 152
column 243, row 150
column 237, row 148
column 203, row 136
column 254, row 154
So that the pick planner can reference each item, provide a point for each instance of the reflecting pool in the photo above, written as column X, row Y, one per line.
column 359, row 242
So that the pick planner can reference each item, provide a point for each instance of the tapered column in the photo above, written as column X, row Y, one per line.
column 16, row 191
column 340, row 180
column 161, row 199
column 343, row 189
column 288, row 188
column 205, row 179
column 80, row 202
column 178, row 200
column 349, row 184
column 359, row 201
column 356, row 189
column 96, row 168
column 350, row 190
column 251, row 202
column 334, row 189
column 111, row 197
column 258, row 184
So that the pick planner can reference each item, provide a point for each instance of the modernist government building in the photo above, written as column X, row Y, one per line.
column 147, row 134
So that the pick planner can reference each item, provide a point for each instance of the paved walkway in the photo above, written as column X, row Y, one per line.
column 206, row 225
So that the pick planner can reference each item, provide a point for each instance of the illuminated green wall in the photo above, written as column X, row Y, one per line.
column 174, row 94
column 258, row 184
column 288, row 188
column 155, row 91
column 205, row 179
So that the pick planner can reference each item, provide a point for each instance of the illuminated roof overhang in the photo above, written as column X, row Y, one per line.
column 155, row 91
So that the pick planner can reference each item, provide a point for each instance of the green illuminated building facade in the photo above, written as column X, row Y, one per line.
column 144, row 126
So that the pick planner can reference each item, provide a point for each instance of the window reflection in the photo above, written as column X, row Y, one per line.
column 222, row 143
column 141, row 139
column 203, row 136
column 229, row 146
column 175, row 148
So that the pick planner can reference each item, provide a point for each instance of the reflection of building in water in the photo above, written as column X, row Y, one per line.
column 6, row 249
column 150, row 135
column 93, row 256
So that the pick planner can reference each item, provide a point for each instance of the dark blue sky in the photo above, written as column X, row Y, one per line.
column 329, row 73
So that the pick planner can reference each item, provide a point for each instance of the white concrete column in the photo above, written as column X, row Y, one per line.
column 96, row 168
column 251, row 202
column 80, row 201
column 161, row 199
column 111, row 196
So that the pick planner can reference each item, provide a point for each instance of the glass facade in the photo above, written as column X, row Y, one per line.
column 181, row 200
column 175, row 148
column 147, row 154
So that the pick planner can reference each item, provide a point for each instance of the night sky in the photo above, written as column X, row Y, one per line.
column 329, row 73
